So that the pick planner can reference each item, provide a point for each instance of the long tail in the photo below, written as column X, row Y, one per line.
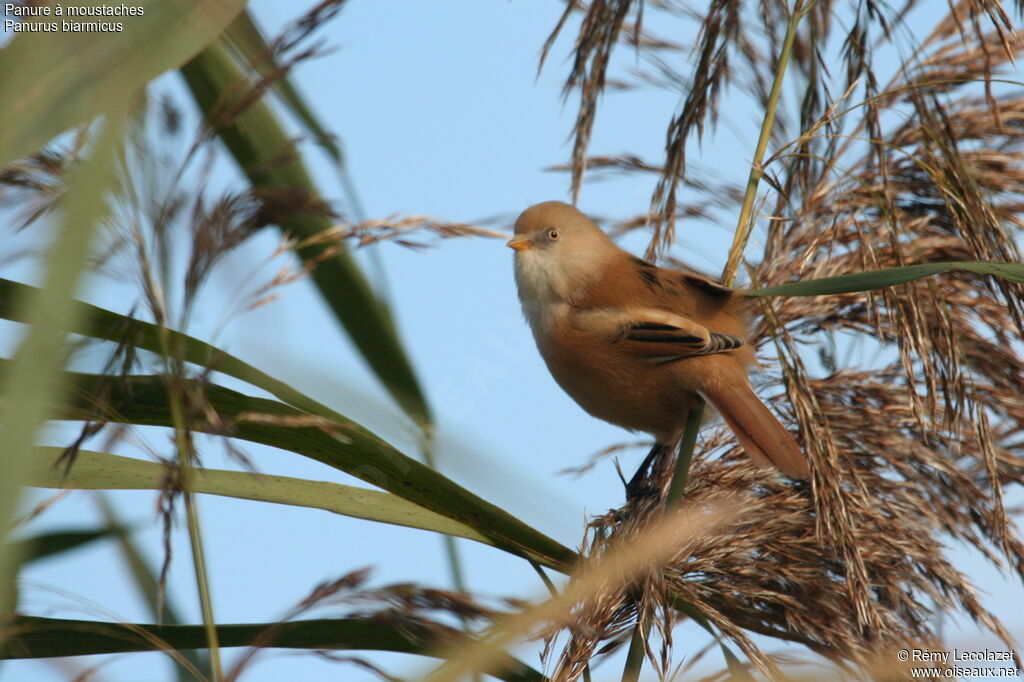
column 766, row 441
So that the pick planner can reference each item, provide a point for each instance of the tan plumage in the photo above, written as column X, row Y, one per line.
column 635, row 344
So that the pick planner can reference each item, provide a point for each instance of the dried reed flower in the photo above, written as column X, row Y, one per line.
column 909, row 448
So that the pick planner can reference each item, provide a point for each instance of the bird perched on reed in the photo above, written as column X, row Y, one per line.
column 637, row 345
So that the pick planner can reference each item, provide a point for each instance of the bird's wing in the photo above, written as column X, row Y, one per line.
column 653, row 334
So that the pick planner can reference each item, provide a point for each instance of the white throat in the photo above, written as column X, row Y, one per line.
column 548, row 284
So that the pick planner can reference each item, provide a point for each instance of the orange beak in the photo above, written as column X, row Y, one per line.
column 519, row 244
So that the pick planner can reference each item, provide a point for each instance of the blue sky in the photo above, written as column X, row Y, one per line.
column 441, row 113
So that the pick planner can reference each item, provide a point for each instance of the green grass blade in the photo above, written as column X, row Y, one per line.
column 102, row 471
column 53, row 81
column 887, row 277
column 53, row 543
column 32, row 637
column 46, row 546
column 342, row 444
column 103, row 324
column 99, row 323
column 29, row 385
column 272, row 162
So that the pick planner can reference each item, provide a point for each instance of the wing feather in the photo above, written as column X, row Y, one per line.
column 656, row 334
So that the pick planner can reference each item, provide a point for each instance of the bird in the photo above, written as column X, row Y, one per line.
column 639, row 345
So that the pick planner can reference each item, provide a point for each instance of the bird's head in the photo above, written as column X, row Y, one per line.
column 558, row 251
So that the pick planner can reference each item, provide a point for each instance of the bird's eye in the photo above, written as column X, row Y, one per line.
column 553, row 234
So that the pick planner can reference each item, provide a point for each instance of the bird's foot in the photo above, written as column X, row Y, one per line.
column 641, row 484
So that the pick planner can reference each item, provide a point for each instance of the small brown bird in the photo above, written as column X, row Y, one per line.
column 635, row 344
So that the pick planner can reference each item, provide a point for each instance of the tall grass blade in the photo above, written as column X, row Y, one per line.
column 102, row 471
column 346, row 446
column 45, row 546
column 272, row 162
column 54, row 543
column 887, row 277
column 29, row 382
column 34, row 637
column 99, row 323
